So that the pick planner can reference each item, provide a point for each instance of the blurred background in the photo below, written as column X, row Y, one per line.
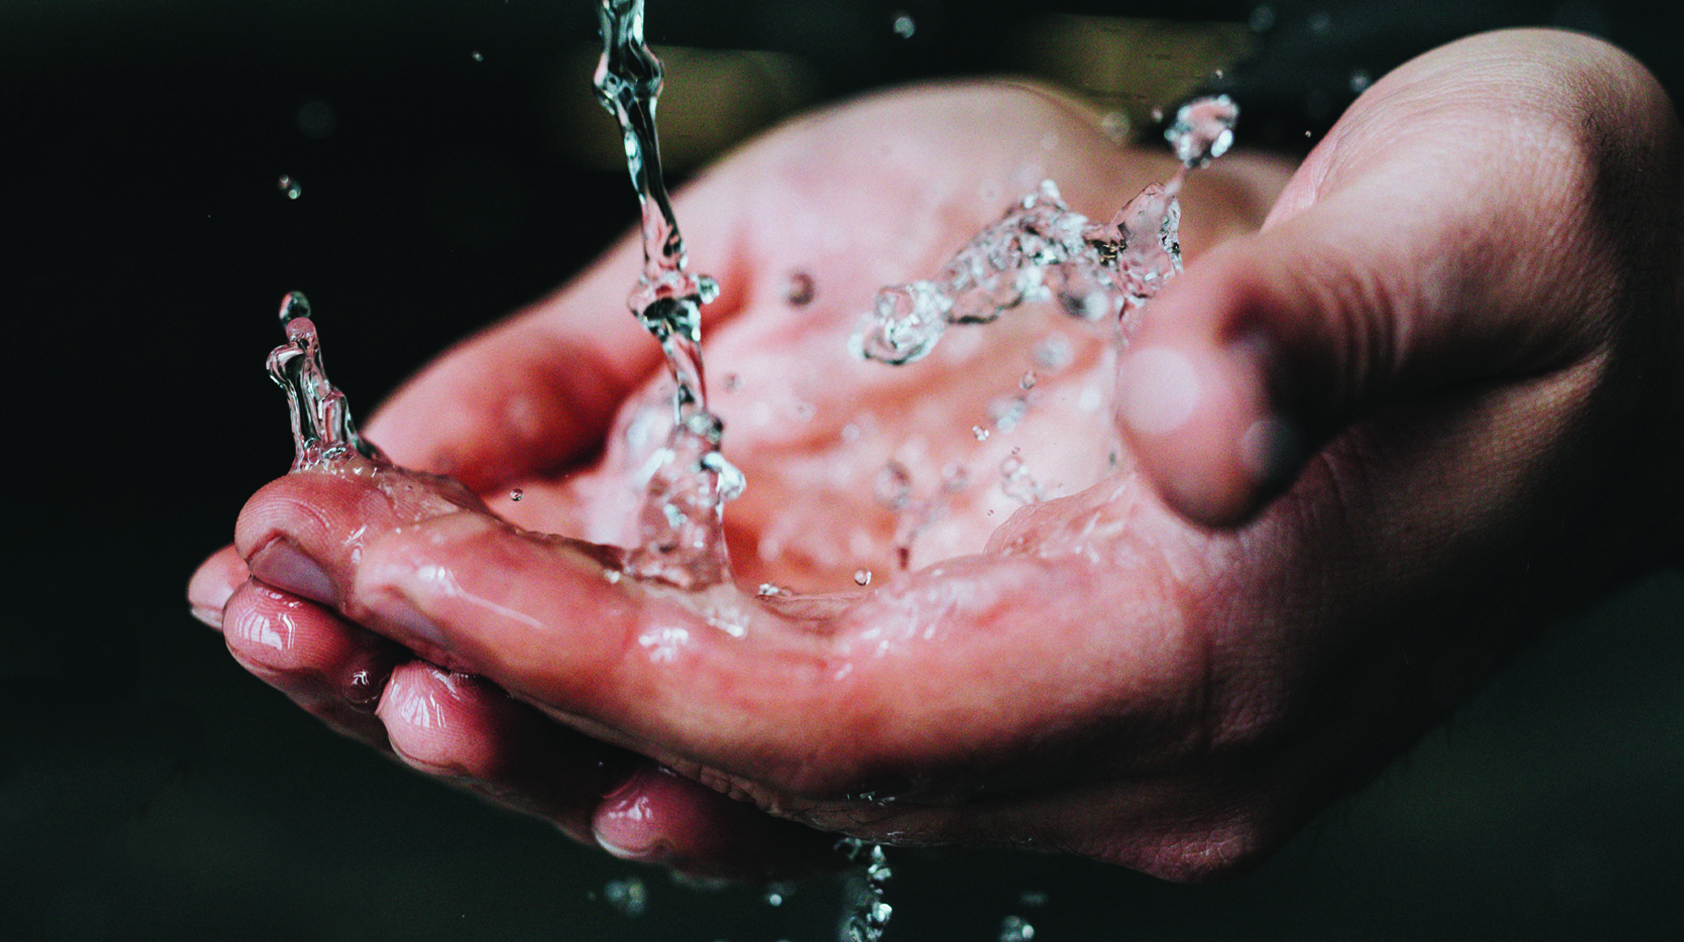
column 452, row 165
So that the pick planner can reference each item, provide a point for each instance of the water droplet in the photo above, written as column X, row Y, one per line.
column 1017, row 483
column 770, row 590
column 1360, row 80
column 778, row 893
column 290, row 187
column 1157, row 115
column 516, row 494
column 1007, row 412
column 801, row 290
column 1116, row 126
column 478, row 56
column 980, row 433
column 294, row 306
column 862, row 577
column 955, row 478
column 1027, row 382
column 903, row 24
column 1203, row 130
column 1015, row 929
column 629, row 896
column 893, row 486
column 1262, row 18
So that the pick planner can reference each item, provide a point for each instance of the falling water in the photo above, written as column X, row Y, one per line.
column 681, row 537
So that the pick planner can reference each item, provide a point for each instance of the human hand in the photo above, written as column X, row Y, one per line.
column 1103, row 679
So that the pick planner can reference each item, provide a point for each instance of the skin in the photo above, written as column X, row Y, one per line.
column 1408, row 403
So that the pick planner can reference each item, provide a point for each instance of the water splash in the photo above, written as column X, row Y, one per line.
column 680, row 525
column 322, row 428
column 867, row 913
column 630, row 897
column 1042, row 251
column 1016, row 929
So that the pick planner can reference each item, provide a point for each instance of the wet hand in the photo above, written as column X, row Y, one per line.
column 1100, row 676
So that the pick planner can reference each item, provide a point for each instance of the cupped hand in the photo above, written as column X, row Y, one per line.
column 1452, row 311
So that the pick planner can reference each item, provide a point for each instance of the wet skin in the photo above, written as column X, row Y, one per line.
column 1433, row 404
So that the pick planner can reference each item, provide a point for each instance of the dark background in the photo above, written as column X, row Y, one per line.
column 151, row 789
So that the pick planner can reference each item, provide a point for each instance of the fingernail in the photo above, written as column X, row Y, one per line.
column 1157, row 391
column 399, row 612
column 625, row 830
column 208, row 615
column 283, row 566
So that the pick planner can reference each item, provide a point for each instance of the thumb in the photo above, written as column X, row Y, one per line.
column 1274, row 342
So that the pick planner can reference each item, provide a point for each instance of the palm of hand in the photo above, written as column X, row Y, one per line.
column 1096, row 675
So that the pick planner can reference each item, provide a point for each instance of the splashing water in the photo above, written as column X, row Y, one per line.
column 322, row 428
column 868, row 914
column 1041, row 251
column 680, row 525
column 1016, row 929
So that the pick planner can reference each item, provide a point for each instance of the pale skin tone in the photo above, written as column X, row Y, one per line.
column 1409, row 401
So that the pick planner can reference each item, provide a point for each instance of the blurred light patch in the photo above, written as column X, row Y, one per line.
column 711, row 99
column 1126, row 68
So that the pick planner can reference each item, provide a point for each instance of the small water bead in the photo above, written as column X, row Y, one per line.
column 955, row 478
column 478, row 56
column 980, row 433
column 290, row 187
column 1017, row 483
column 801, row 289
column 1054, row 353
column 1360, row 80
column 778, row 893
column 771, row 590
column 516, row 494
column 893, row 486
column 293, row 306
column 862, row 577
column 1117, row 126
column 1028, row 380
column 629, row 896
column 1203, row 130
column 1016, row 929
column 903, row 24
column 1007, row 411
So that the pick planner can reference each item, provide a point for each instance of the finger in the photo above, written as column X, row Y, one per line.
column 213, row 583
column 1275, row 342
column 656, row 816
column 333, row 669
column 465, row 730
column 537, row 392
column 792, row 702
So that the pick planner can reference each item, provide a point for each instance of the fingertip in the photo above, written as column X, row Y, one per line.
column 657, row 816
column 213, row 583
column 1205, row 427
